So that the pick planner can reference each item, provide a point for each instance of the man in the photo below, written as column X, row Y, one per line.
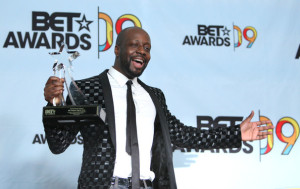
column 107, row 162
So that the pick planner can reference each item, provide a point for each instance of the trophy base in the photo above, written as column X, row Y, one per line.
column 73, row 114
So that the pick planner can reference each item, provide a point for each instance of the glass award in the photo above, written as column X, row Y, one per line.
column 72, row 105
column 63, row 68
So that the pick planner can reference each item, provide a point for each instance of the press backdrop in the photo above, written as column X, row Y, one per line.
column 215, row 61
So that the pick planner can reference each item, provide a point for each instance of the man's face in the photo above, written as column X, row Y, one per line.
column 134, row 53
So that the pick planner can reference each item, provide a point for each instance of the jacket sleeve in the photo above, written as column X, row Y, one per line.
column 59, row 136
column 191, row 137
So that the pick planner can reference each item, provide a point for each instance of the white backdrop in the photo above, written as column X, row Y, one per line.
column 194, row 61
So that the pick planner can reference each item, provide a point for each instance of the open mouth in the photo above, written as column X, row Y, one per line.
column 138, row 62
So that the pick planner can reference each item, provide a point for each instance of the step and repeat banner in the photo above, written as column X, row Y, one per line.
column 215, row 61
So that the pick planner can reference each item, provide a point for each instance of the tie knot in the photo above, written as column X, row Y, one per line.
column 129, row 83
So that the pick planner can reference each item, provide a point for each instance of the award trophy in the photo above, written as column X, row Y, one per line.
column 76, row 108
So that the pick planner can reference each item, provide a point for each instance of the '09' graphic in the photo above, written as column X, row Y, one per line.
column 289, row 140
column 109, row 28
column 246, row 35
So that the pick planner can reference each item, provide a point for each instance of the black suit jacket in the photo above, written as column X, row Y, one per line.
column 100, row 139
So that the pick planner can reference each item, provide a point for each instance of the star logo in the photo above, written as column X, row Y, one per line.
column 84, row 23
column 226, row 31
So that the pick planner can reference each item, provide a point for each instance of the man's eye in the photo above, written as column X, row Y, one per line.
column 147, row 48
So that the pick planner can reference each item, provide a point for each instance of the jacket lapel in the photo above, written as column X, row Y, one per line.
column 109, row 107
column 165, row 132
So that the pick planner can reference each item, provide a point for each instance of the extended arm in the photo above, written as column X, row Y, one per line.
column 222, row 137
column 191, row 137
column 59, row 136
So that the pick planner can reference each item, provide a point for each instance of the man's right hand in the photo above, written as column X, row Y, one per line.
column 54, row 89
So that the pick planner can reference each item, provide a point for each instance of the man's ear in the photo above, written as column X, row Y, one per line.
column 117, row 50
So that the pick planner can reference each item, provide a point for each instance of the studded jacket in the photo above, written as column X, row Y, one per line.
column 99, row 139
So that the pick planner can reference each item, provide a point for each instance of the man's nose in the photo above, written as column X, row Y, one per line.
column 141, row 50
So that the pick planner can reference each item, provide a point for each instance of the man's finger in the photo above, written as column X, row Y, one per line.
column 248, row 119
column 264, row 133
column 264, row 122
column 258, row 123
column 266, row 128
column 261, row 137
column 52, row 89
column 51, row 79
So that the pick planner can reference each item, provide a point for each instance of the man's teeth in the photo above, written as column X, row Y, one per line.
column 139, row 61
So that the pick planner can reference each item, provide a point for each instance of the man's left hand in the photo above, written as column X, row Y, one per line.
column 253, row 130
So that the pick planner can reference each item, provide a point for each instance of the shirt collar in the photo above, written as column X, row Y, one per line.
column 120, row 78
